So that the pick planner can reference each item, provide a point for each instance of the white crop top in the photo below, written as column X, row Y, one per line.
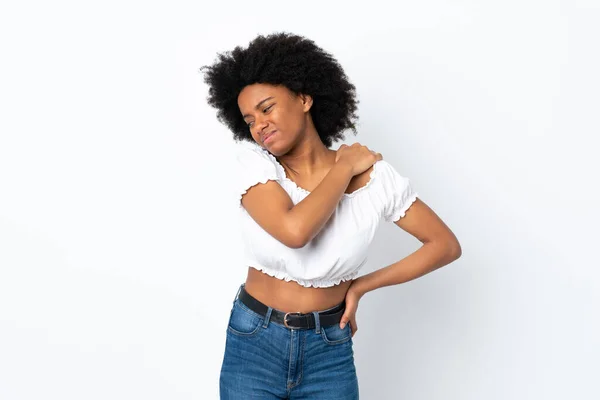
column 339, row 250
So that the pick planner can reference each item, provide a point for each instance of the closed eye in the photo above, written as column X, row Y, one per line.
column 265, row 110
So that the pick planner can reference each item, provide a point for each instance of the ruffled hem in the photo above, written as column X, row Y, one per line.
column 402, row 212
column 314, row 283
column 248, row 186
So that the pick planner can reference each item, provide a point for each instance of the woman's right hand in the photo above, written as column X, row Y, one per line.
column 359, row 157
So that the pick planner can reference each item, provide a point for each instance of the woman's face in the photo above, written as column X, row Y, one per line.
column 276, row 116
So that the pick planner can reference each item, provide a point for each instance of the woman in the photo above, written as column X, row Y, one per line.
column 308, row 215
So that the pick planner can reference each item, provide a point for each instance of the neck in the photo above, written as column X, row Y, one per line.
column 309, row 157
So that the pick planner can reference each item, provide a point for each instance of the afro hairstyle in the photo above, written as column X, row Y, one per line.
column 294, row 62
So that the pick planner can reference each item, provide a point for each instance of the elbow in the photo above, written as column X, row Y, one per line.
column 295, row 238
column 295, row 242
column 449, row 249
column 290, row 240
column 455, row 250
column 298, row 240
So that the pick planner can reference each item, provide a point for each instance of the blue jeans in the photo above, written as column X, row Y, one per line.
column 266, row 360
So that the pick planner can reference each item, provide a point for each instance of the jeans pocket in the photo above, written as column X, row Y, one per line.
column 243, row 321
column 333, row 334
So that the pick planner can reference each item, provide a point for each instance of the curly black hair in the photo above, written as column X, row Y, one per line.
column 294, row 62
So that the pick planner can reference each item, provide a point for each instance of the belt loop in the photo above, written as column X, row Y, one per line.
column 238, row 293
column 267, row 317
column 317, row 322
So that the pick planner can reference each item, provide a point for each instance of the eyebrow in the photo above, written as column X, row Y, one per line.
column 258, row 105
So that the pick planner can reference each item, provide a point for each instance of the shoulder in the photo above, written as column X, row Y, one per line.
column 244, row 147
column 385, row 169
column 390, row 178
column 383, row 165
column 248, row 155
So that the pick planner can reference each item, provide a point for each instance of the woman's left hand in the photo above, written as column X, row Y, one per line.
column 352, row 298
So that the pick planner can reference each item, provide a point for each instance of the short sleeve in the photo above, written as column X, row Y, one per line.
column 253, row 166
column 399, row 193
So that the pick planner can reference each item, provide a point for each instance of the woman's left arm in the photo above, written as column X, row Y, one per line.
column 440, row 247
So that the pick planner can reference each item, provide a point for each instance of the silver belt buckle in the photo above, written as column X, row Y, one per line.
column 285, row 318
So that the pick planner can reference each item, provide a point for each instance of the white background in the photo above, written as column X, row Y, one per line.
column 119, row 255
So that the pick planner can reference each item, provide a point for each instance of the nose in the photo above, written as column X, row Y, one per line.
column 260, row 124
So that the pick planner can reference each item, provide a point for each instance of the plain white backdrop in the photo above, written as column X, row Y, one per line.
column 119, row 255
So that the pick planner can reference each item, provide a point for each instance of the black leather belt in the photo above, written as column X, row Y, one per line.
column 294, row 320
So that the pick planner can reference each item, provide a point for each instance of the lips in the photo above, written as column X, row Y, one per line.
column 267, row 135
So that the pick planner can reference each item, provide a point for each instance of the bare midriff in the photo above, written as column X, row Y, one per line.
column 291, row 296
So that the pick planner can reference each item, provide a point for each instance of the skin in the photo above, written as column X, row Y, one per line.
column 306, row 161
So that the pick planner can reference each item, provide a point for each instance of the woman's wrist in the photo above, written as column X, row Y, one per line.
column 357, row 287
column 345, row 166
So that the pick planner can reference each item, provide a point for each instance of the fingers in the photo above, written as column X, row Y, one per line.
column 377, row 155
column 353, row 327
column 347, row 320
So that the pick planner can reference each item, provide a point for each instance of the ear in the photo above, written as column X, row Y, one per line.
column 307, row 101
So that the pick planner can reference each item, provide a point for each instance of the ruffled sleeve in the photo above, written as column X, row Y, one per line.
column 253, row 166
column 399, row 193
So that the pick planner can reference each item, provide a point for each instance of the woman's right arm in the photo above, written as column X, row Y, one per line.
column 295, row 225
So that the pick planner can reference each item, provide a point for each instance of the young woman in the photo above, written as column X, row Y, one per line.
column 308, row 214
